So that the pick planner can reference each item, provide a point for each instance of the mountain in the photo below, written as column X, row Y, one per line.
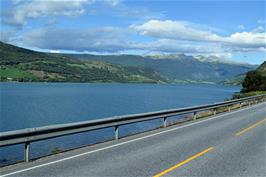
column 262, row 68
column 240, row 78
column 177, row 68
column 236, row 80
column 19, row 64
column 215, row 59
column 255, row 80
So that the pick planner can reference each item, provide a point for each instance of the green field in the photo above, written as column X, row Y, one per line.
column 15, row 74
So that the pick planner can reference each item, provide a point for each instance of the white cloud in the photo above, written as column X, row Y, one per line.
column 6, row 36
column 113, row 39
column 106, row 39
column 16, row 1
column 55, row 51
column 174, row 46
column 241, row 27
column 167, row 36
column 259, row 29
column 22, row 11
column 223, row 55
column 261, row 22
column 112, row 2
column 247, row 39
column 179, row 30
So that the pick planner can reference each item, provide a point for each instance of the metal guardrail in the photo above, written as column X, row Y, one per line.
column 29, row 135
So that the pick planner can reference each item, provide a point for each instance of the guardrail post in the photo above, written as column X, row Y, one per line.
column 214, row 111
column 27, row 152
column 116, row 132
column 229, row 108
column 164, row 122
column 240, row 105
column 194, row 115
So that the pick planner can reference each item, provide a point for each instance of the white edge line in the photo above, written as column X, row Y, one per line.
column 126, row 142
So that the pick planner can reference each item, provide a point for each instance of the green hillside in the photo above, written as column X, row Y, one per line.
column 262, row 68
column 255, row 80
column 236, row 80
column 178, row 68
column 18, row 64
column 254, row 83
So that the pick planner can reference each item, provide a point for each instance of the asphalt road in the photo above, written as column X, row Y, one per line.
column 232, row 144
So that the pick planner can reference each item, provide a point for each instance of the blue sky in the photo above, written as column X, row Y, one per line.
column 229, row 30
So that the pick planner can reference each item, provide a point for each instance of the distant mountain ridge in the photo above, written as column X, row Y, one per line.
column 27, row 65
column 19, row 64
column 210, row 59
column 215, row 59
column 177, row 68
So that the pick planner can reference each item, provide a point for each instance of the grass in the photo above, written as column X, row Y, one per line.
column 14, row 73
column 255, row 93
column 248, row 94
column 56, row 150
column 77, row 65
column 45, row 62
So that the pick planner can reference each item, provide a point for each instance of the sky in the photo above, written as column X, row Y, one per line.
column 229, row 30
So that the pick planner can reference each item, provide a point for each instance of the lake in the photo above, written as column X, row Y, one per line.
column 25, row 105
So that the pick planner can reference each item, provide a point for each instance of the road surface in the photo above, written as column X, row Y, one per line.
column 232, row 144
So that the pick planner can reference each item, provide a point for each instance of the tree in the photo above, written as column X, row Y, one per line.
column 254, row 81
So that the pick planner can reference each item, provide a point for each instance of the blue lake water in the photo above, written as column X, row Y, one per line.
column 25, row 105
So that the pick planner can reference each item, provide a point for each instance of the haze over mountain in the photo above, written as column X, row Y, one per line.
column 27, row 65
column 178, row 68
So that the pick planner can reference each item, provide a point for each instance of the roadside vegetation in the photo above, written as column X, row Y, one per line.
column 254, row 83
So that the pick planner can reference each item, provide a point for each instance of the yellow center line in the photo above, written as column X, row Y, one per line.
column 183, row 162
column 250, row 127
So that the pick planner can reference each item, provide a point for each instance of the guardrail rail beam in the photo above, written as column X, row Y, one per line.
column 29, row 135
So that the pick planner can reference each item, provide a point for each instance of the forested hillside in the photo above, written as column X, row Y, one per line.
column 180, row 68
column 18, row 64
column 255, row 80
